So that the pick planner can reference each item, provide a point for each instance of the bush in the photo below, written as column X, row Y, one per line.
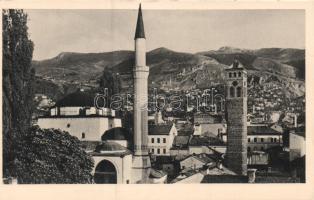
column 51, row 156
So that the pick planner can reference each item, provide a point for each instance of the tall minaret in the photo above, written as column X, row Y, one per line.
column 141, row 160
column 236, row 93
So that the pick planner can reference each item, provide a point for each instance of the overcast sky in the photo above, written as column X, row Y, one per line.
column 55, row 31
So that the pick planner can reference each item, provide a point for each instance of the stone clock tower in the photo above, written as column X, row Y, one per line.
column 236, row 104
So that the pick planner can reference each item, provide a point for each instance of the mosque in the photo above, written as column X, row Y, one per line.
column 122, row 157
column 118, row 157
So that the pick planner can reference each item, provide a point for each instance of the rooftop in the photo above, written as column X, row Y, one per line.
column 261, row 130
column 160, row 129
column 110, row 149
column 197, row 140
column 299, row 131
column 181, row 141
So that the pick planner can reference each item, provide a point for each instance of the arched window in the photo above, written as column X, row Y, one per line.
column 83, row 135
column 275, row 139
column 231, row 92
column 239, row 74
column 239, row 91
column 234, row 74
column 249, row 140
column 271, row 140
column 230, row 75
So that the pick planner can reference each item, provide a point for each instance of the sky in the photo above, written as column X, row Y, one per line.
column 86, row 31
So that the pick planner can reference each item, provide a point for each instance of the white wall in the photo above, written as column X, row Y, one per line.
column 296, row 146
column 123, row 166
column 93, row 127
column 162, row 145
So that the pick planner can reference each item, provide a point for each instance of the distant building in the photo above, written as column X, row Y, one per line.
column 160, row 138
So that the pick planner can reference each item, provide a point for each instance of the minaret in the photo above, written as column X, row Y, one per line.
column 141, row 160
column 236, row 93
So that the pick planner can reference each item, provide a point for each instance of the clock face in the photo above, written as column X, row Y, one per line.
column 235, row 83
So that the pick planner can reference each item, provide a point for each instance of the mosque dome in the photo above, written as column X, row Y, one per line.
column 117, row 133
column 111, row 148
column 77, row 99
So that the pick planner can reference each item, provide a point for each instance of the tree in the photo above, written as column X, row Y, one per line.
column 18, row 78
column 51, row 156
column 111, row 81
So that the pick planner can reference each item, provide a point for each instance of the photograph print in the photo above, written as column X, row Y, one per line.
column 141, row 96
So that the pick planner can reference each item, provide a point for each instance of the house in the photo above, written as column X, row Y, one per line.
column 197, row 161
column 297, row 143
column 180, row 148
column 208, row 145
column 209, row 124
column 160, row 138
column 262, row 137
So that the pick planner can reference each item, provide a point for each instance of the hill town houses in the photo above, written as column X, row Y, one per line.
column 229, row 143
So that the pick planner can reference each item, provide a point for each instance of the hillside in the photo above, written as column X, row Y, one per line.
column 79, row 66
column 177, row 70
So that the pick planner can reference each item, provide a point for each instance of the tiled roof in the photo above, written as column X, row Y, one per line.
column 299, row 131
column 154, row 173
column 160, row 129
column 205, row 141
column 210, row 118
column 181, row 141
column 261, row 130
column 201, row 157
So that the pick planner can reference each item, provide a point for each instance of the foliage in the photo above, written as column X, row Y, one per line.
column 111, row 81
column 18, row 78
column 51, row 156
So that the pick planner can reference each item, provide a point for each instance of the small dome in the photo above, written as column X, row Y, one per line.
column 109, row 146
column 117, row 133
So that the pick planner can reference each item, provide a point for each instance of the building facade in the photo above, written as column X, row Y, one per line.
column 77, row 115
column 160, row 138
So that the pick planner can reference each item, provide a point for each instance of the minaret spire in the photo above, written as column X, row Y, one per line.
column 141, row 160
column 139, row 33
